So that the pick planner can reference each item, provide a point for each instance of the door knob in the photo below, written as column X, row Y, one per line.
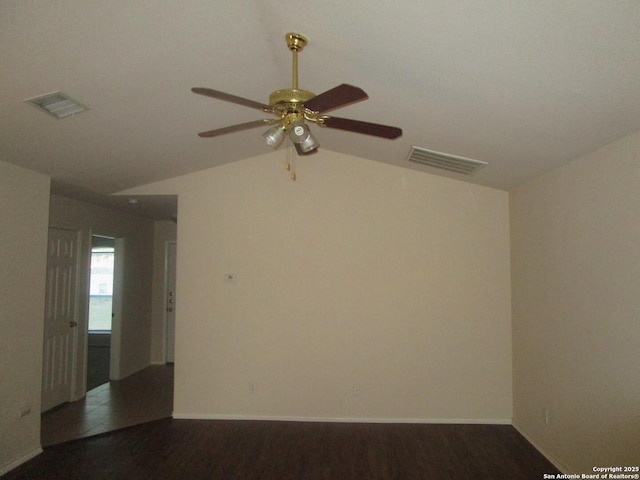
column 73, row 324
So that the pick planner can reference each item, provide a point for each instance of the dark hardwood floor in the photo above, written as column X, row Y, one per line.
column 270, row 450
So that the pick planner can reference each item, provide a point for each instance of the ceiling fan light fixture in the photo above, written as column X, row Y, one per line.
column 309, row 144
column 275, row 136
column 303, row 138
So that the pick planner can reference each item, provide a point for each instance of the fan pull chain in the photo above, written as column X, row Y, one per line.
column 287, row 163
column 290, row 165
column 293, row 168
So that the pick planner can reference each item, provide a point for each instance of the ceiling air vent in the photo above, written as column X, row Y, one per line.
column 444, row 161
column 57, row 104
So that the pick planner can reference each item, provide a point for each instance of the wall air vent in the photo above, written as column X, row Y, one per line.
column 57, row 104
column 444, row 161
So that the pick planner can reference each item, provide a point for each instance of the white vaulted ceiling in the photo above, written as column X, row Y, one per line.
column 522, row 85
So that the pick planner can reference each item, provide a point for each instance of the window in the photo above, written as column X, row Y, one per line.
column 101, row 289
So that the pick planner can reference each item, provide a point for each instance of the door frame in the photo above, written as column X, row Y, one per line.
column 115, row 351
column 166, row 305
column 83, row 279
column 115, row 372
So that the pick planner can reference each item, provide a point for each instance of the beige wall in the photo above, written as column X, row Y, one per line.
column 576, row 272
column 363, row 291
column 137, row 236
column 164, row 232
column 369, row 291
column 24, row 196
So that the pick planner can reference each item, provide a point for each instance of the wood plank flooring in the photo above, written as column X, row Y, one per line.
column 243, row 450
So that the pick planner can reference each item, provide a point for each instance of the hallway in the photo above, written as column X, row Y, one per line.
column 142, row 397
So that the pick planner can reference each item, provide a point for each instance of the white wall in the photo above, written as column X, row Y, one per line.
column 364, row 291
column 576, row 271
column 137, row 236
column 24, row 196
column 369, row 291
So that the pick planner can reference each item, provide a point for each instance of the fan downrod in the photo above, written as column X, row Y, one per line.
column 292, row 99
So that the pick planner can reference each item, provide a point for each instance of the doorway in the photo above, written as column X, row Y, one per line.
column 170, row 296
column 133, row 239
column 100, row 310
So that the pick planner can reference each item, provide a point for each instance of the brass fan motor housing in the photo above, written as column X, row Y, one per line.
column 290, row 97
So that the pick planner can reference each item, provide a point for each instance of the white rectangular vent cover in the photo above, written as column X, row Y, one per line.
column 444, row 161
column 57, row 104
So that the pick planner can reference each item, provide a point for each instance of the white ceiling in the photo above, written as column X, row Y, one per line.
column 523, row 85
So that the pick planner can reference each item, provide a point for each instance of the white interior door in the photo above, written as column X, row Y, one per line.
column 61, row 322
column 171, row 302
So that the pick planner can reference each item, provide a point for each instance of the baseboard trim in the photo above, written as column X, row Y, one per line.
column 16, row 463
column 295, row 418
column 556, row 463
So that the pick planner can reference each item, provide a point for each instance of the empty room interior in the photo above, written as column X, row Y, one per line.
column 459, row 245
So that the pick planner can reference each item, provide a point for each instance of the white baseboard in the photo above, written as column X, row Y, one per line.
column 16, row 463
column 556, row 463
column 287, row 418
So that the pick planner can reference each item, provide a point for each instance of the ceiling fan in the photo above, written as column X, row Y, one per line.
column 294, row 107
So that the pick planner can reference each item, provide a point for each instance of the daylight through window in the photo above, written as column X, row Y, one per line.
column 101, row 289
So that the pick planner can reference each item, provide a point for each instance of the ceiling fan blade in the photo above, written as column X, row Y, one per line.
column 358, row 126
column 227, row 97
column 337, row 97
column 237, row 128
